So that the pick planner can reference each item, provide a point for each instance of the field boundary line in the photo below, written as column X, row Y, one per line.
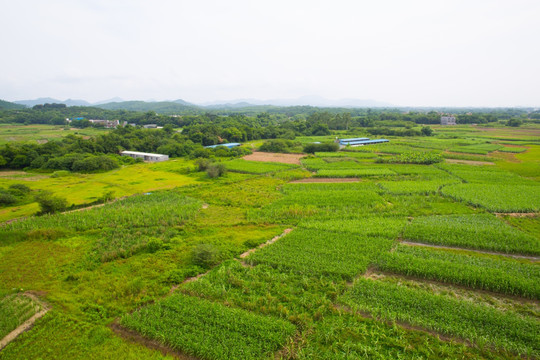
column 136, row 338
column 405, row 325
column 518, row 298
column 517, row 214
column 487, row 252
column 269, row 242
column 25, row 326
column 242, row 256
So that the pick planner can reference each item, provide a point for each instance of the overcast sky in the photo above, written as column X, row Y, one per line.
column 414, row 52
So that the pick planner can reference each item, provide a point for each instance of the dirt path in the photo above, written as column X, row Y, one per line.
column 271, row 241
column 528, row 257
column 325, row 180
column 518, row 214
column 468, row 162
column 27, row 324
column 242, row 256
column 275, row 157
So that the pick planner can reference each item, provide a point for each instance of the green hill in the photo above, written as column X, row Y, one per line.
column 6, row 105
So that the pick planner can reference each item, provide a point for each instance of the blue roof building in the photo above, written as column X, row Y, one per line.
column 227, row 145
column 361, row 141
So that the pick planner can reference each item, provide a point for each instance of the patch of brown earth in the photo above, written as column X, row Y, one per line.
column 518, row 214
column 275, row 157
column 137, row 338
column 326, row 180
column 468, row 162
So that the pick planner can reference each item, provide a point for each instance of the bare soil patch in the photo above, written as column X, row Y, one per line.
column 275, row 157
column 27, row 324
column 136, row 338
column 468, row 162
column 518, row 214
column 326, row 180
column 515, row 256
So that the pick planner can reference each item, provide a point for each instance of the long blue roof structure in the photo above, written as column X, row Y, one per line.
column 353, row 139
column 227, row 145
column 363, row 142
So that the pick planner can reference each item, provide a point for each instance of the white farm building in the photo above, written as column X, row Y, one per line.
column 448, row 120
column 145, row 156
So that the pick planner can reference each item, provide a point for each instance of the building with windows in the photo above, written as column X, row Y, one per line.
column 145, row 156
column 448, row 120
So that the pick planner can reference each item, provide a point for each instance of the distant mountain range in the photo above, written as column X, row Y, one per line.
column 6, row 105
column 317, row 101
column 179, row 104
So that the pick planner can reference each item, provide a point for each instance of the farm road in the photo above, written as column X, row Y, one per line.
column 27, row 324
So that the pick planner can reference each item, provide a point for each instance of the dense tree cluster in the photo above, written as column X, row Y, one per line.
column 187, row 134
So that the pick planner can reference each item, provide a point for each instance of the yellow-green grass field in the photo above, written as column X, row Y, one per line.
column 10, row 133
column 85, row 188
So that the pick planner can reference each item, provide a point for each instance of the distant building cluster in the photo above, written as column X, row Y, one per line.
column 448, row 120
column 109, row 124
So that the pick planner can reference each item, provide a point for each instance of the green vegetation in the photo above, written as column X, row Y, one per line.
column 15, row 309
column 482, row 149
column 425, row 158
column 487, row 272
column 462, row 318
column 497, row 198
column 256, row 167
column 480, row 231
column 354, row 172
column 172, row 256
column 318, row 252
column 209, row 330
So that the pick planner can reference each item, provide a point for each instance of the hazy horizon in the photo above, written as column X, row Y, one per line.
column 418, row 53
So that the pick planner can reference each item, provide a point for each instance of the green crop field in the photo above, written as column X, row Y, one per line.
column 209, row 330
column 480, row 231
column 280, row 261
column 10, row 133
column 14, row 310
column 256, row 167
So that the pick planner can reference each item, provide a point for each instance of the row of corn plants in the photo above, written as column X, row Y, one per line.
column 164, row 208
column 209, row 330
column 353, row 173
column 14, row 310
column 505, row 197
column 409, row 187
column 464, row 319
column 319, row 252
column 485, row 272
column 481, row 231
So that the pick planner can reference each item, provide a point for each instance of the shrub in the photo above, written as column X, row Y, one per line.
column 106, row 197
column 323, row 147
column 49, row 203
column 205, row 255
column 95, row 163
column 21, row 188
column 203, row 163
column 216, row 170
column 277, row 145
column 6, row 198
